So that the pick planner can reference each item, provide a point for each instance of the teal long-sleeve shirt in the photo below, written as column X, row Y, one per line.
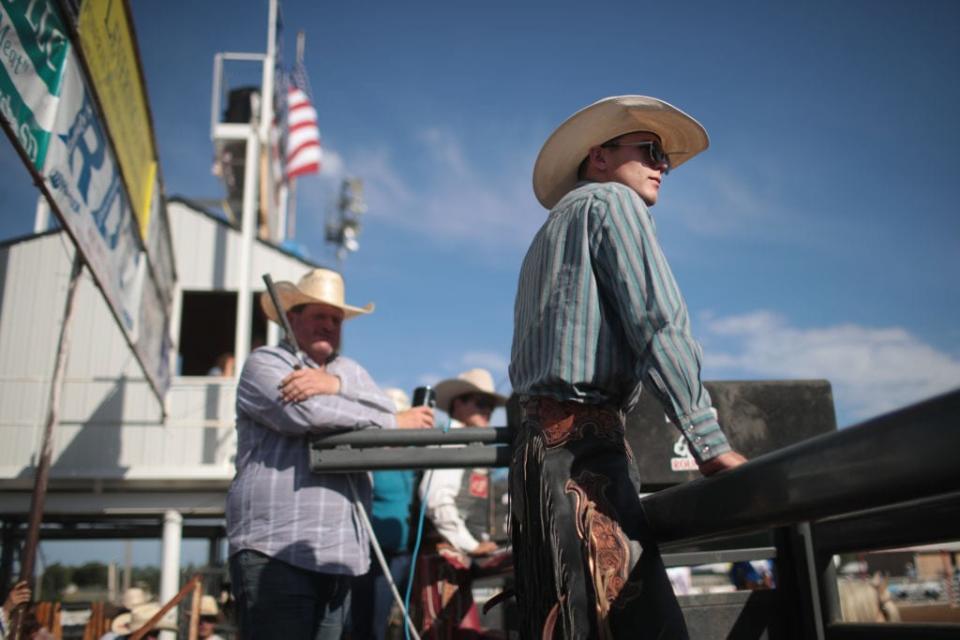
column 599, row 316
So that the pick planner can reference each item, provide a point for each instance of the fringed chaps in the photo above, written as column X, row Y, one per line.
column 584, row 567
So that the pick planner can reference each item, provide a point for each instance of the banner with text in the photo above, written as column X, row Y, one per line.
column 107, row 44
column 33, row 49
column 84, row 181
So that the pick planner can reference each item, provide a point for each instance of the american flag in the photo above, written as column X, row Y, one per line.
column 303, row 152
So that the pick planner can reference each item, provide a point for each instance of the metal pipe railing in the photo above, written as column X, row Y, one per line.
column 379, row 449
column 906, row 455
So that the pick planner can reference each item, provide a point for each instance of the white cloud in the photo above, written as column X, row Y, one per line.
column 458, row 202
column 872, row 370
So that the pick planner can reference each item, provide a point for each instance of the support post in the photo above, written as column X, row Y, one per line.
column 797, row 583
column 241, row 347
column 170, row 560
column 39, row 496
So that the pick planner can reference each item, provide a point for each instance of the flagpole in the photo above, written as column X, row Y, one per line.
column 291, row 212
column 259, row 136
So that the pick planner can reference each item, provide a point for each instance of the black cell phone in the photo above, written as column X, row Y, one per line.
column 424, row 397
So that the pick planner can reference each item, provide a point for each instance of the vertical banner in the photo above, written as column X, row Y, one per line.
column 84, row 181
column 33, row 50
column 106, row 41
column 160, row 246
column 104, row 204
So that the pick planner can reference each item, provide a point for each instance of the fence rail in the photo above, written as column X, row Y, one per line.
column 891, row 481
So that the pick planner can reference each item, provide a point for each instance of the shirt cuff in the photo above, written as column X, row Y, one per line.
column 704, row 435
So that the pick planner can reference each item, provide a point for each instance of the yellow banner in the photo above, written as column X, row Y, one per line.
column 108, row 47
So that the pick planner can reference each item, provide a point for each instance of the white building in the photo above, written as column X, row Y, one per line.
column 122, row 466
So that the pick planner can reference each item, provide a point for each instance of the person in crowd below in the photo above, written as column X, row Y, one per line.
column 752, row 575
column 224, row 366
column 18, row 595
column 458, row 508
column 209, row 619
column 132, row 598
column 393, row 493
column 598, row 317
column 126, row 624
column 296, row 540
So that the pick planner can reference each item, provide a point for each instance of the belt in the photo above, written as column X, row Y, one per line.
column 561, row 421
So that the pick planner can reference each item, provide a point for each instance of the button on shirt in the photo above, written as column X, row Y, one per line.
column 598, row 315
column 275, row 505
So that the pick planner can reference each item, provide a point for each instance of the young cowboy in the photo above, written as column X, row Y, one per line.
column 599, row 316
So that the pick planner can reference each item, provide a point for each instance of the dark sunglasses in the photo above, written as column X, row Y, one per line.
column 482, row 402
column 658, row 157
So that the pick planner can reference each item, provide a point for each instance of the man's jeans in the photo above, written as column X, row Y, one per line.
column 276, row 600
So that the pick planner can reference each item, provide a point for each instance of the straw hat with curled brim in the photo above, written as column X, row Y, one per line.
column 134, row 597
column 208, row 607
column 320, row 286
column 555, row 172
column 472, row 381
column 127, row 623
column 400, row 398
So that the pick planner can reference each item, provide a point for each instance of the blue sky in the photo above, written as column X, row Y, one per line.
column 818, row 237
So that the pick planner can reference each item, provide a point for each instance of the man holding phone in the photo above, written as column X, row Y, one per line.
column 458, row 505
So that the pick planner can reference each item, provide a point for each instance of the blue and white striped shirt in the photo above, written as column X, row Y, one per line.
column 275, row 504
column 598, row 315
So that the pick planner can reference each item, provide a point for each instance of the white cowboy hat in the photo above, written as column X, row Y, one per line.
column 555, row 172
column 134, row 597
column 126, row 623
column 400, row 398
column 320, row 286
column 472, row 381
column 208, row 606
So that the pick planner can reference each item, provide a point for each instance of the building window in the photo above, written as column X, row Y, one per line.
column 207, row 327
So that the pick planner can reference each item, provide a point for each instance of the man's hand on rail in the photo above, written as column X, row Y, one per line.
column 415, row 418
column 722, row 462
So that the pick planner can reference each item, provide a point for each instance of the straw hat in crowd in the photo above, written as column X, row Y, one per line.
column 134, row 597
column 400, row 398
column 208, row 607
column 472, row 381
column 127, row 623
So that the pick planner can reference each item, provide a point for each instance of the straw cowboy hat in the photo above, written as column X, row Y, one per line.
column 472, row 381
column 555, row 172
column 399, row 397
column 134, row 597
column 320, row 286
column 208, row 607
column 127, row 623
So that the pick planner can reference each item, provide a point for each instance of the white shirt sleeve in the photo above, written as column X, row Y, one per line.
column 441, row 487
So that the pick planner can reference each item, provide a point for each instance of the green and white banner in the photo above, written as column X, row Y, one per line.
column 83, row 178
column 33, row 50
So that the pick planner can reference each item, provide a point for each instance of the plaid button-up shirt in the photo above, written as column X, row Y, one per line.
column 275, row 504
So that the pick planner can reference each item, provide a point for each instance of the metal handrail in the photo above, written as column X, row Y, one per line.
column 378, row 449
column 906, row 455
column 420, row 437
